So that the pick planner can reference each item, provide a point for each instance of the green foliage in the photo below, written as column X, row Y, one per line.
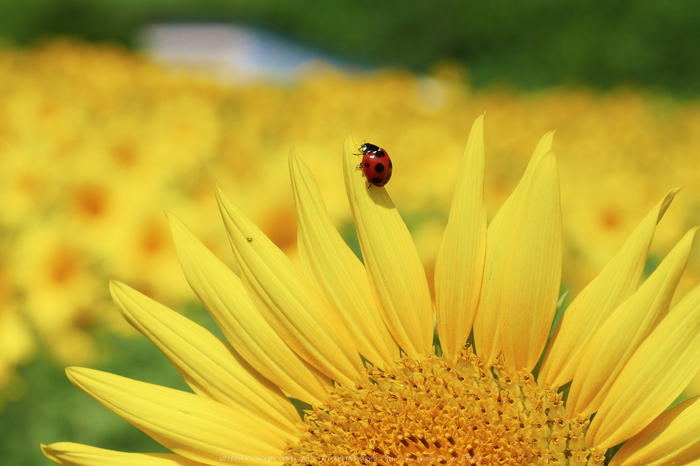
column 528, row 44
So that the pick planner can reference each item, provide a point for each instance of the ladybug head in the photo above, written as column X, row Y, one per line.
column 368, row 148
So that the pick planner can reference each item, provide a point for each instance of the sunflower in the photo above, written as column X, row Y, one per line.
column 355, row 341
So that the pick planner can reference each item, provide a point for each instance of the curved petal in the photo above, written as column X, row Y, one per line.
column 396, row 274
column 222, row 293
column 622, row 333
column 190, row 425
column 587, row 312
column 523, row 267
column 209, row 366
column 487, row 332
column 459, row 267
column 75, row 454
column 338, row 273
column 530, row 285
column 656, row 374
column 672, row 438
column 289, row 302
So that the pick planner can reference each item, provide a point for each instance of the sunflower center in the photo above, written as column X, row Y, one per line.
column 435, row 412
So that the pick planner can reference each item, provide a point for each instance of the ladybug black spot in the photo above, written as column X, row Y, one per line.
column 367, row 165
column 380, row 153
column 379, row 167
column 376, row 181
column 390, row 165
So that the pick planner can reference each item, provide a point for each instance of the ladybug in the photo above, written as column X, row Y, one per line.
column 376, row 164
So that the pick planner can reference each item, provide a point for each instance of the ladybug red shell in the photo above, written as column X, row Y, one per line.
column 376, row 164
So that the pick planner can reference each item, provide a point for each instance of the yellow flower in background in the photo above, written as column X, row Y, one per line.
column 51, row 260
column 304, row 333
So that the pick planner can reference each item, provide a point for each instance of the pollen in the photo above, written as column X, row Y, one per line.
column 432, row 411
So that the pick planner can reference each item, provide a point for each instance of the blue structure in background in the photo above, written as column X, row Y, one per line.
column 232, row 53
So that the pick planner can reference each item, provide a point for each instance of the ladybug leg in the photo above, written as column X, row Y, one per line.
column 369, row 185
column 359, row 167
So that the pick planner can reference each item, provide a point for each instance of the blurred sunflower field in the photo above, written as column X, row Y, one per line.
column 96, row 141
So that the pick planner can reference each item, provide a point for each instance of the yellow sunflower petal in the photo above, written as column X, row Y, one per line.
column 190, row 425
column 487, row 333
column 339, row 274
column 622, row 333
column 395, row 272
column 587, row 312
column 523, row 267
column 75, row 454
column 290, row 302
column 656, row 374
column 672, row 438
column 209, row 366
column 530, row 284
column 222, row 293
column 459, row 266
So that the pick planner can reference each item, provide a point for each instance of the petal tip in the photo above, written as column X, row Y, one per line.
column 176, row 224
column 351, row 144
column 72, row 372
column 117, row 288
column 294, row 162
column 48, row 452
column 666, row 202
column 547, row 141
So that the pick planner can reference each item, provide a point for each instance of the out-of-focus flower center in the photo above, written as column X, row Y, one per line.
column 434, row 411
